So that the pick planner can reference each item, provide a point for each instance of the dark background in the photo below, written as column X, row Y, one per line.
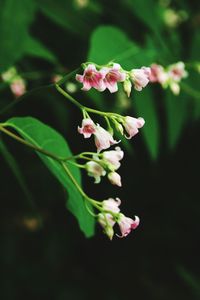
column 160, row 260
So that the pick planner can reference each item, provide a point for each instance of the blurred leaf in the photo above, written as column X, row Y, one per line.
column 193, row 80
column 195, row 54
column 109, row 43
column 13, row 165
column 144, row 106
column 15, row 19
column 150, row 12
column 47, row 138
column 190, row 280
column 67, row 15
column 34, row 47
column 176, row 114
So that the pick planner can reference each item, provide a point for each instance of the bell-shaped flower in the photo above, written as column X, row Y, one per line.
column 158, row 74
column 103, row 138
column 132, row 125
column 91, row 78
column 177, row 71
column 113, row 157
column 126, row 224
column 95, row 170
column 113, row 75
column 88, row 128
column 140, row 77
column 111, row 205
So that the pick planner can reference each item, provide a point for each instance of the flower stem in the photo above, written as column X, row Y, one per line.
column 95, row 203
column 82, row 107
column 22, row 141
column 190, row 91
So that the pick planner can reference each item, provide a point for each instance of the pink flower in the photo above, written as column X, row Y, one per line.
column 111, row 205
column 132, row 124
column 140, row 77
column 95, row 170
column 177, row 71
column 158, row 74
column 88, row 128
column 103, row 139
column 126, row 224
column 113, row 75
column 91, row 78
column 18, row 87
column 113, row 157
column 115, row 178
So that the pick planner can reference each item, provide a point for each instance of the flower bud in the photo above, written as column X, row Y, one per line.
column 115, row 178
column 127, row 87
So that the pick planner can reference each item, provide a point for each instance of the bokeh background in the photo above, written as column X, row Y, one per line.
column 160, row 171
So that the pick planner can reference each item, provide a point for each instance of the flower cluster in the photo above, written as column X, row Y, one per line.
column 108, row 77
column 103, row 138
column 104, row 163
column 111, row 215
column 15, row 81
column 170, row 76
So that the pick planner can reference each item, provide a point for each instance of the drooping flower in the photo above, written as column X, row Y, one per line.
column 126, row 224
column 115, row 178
column 113, row 75
column 103, row 138
column 177, row 71
column 88, row 128
column 111, row 205
column 113, row 157
column 18, row 87
column 140, row 77
column 132, row 125
column 95, row 170
column 158, row 74
column 91, row 78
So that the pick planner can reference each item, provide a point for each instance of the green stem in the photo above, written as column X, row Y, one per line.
column 22, row 141
column 95, row 203
column 82, row 107
column 66, row 95
column 19, row 99
column 66, row 77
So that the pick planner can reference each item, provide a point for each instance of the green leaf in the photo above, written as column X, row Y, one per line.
column 109, row 43
column 48, row 139
column 144, row 106
column 177, row 115
column 15, row 19
column 35, row 48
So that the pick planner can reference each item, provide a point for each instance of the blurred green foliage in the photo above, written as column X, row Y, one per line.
column 45, row 38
